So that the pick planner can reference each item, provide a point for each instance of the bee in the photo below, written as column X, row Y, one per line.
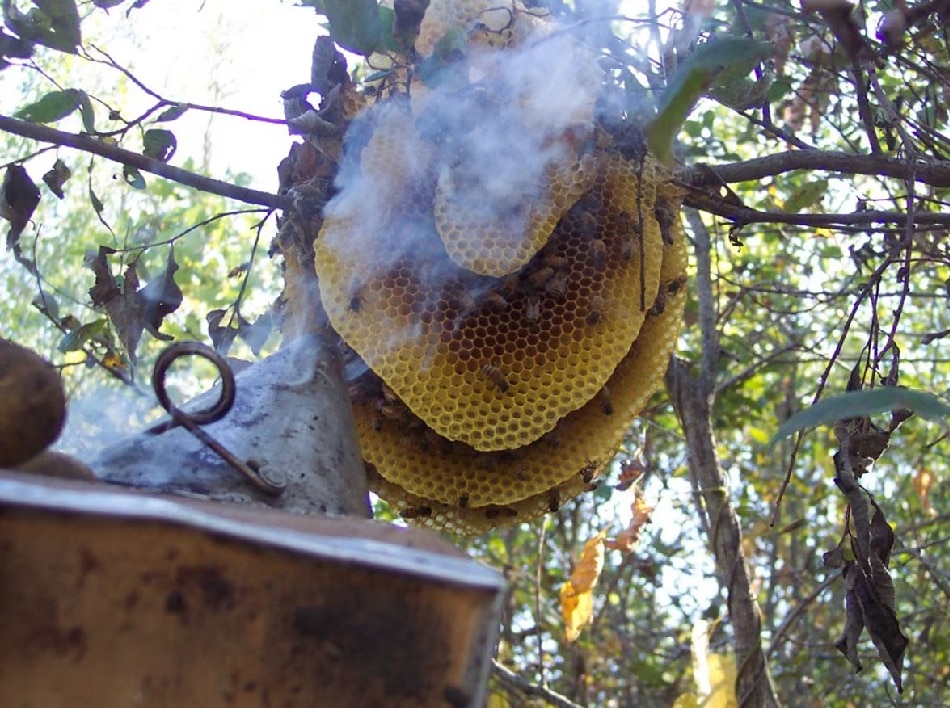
column 532, row 309
column 629, row 232
column 606, row 405
column 357, row 297
column 376, row 420
column 671, row 287
column 595, row 310
column 494, row 511
column 554, row 499
column 587, row 223
column 677, row 284
column 463, row 500
column 459, row 298
column 416, row 512
column 389, row 394
column 598, row 254
column 494, row 374
column 589, row 471
column 552, row 260
column 665, row 217
column 393, row 411
column 540, row 277
column 496, row 301
column 557, row 285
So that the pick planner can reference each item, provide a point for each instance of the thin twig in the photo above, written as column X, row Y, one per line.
column 515, row 682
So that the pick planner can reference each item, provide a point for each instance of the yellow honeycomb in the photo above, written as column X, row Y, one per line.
column 446, row 485
column 511, row 280
column 444, row 16
column 442, row 517
column 510, row 228
column 494, row 363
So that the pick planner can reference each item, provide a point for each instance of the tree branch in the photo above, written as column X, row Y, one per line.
column 87, row 143
column 518, row 683
column 935, row 173
column 743, row 215
column 693, row 396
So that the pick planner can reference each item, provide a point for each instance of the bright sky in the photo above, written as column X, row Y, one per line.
column 237, row 54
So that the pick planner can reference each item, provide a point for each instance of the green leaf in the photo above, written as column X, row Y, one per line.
column 53, row 106
column 692, row 79
column 95, row 201
column 355, row 25
column 172, row 113
column 45, row 303
column 808, row 195
column 133, row 177
column 854, row 404
column 779, row 89
column 159, row 144
column 97, row 330
column 87, row 112
column 53, row 23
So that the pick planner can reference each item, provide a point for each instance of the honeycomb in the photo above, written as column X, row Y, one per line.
column 491, row 22
column 509, row 281
column 434, row 482
column 479, row 359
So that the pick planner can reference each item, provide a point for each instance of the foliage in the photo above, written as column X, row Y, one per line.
column 821, row 298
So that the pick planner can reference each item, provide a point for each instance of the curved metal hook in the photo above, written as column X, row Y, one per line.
column 263, row 479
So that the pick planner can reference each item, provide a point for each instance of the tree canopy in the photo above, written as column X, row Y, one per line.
column 774, row 522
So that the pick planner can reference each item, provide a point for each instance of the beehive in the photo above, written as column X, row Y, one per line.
column 512, row 327
column 449, row 485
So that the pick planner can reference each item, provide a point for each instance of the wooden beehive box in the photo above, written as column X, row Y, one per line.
column 111, row 598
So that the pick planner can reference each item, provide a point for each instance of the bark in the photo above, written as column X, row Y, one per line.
column 694, row 407
column 693, row 396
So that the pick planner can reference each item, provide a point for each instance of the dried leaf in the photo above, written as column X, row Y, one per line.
column 590, row 564
column 882, row 626
column 577, row 608
column 627, row 540
column 923, row 482
column 577, row 594
column 125, row 312
column 105, row 287
column 161, row 297
column 222, row 336
column 19, row 199
column 255, row 334
column 853, row 624
column 840, row 18
column 56, row 177
column 722, row 681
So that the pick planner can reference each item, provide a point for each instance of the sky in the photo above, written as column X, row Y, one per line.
column 237, row 54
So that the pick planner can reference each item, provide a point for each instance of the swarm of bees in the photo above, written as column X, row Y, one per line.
column 503, row 354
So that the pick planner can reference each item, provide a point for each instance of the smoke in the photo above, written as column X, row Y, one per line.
column 466, row 160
